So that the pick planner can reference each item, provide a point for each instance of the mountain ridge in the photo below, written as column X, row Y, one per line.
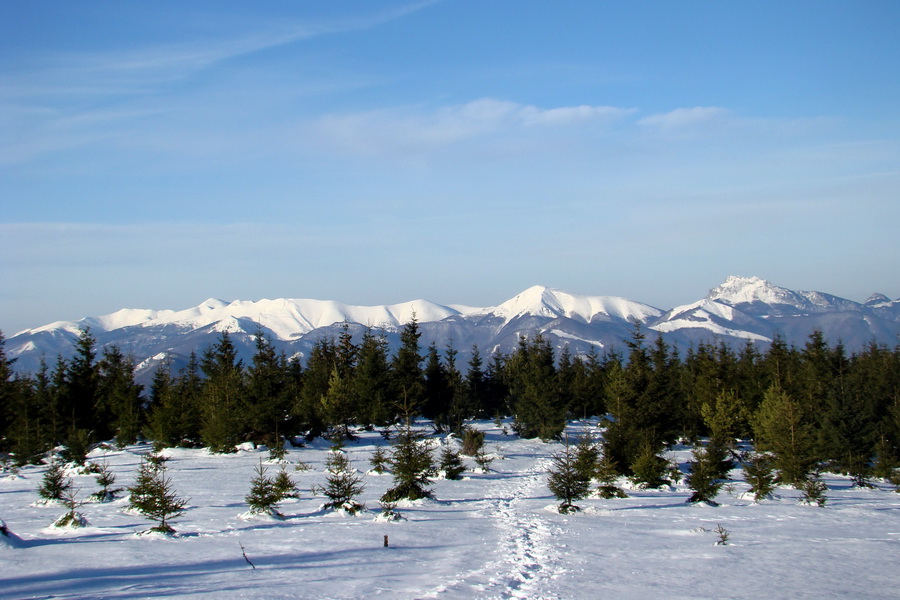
column 741, row 310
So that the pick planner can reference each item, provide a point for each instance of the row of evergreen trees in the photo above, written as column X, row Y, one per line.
column 814, row 403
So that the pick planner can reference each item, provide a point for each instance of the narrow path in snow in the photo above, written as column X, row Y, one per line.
column 526, row 560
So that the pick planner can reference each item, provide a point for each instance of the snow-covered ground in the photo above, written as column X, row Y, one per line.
column 491, row 535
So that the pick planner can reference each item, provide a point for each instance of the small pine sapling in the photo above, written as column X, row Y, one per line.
column 759, row 473
column 587, row 454
column 72, row 518
column 607, row 474
column 157, row 459
column 813, row 489
column 703, row 479
column 342, row 485
column 105, row 479
column 650, row 469
column 78, row 444
column 379, row 461
column 673, row 471
column 483, row 460
column 54, row 484
column 723, row 535
column 412, row 466
column 263, row 498
column 473, row 441
column 152, row 495
column 451, row 463
column 885, row 466
column 566, row 481
column 277, row 452
column 301, row 466
column 389, row 512
column 285, row 487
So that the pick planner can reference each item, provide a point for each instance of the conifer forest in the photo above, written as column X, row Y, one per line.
column 811, row 408
column 609, row 438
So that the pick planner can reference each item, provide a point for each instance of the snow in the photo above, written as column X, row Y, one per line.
column 704, row 314
column 747, row 290
column 491, row 535
column 568, row 336
column 543, row 301
column 288, row 319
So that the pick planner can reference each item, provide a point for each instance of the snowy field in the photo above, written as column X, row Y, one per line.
column 490, row 535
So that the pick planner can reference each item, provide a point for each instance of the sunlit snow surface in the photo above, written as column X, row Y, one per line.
column 491, row 535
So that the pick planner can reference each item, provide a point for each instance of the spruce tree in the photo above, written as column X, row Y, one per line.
column 412, row 466
column 79, row 393
column 607, row 473
column 566, row 481
column 343, row 484
column 534, row 393
column 378, row 461
column 813, row 489
column 649, row 469
column 339, row 404
column 264, row 495
column 451, row 463
column 266, row 392
column 152, row 495
column 406, row 368
column 105, row 479
column 472, row 442
column 55, row 483
column 704, row 480
column 782, row 429
column 284, row 485
column 119, row 397
column 760, row 475
column 371, row 380
column 587, row 453
column 72, row 518
column 222, row 408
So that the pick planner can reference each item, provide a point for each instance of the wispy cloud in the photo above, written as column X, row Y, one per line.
column 684, row 118
column 418, row 130
column 132, row 70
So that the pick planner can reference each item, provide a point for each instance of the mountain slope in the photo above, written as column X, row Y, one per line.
column 739, row 310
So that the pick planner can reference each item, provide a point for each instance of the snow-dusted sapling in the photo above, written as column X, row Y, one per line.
column 566, row 481
column 342, row 484
column 77, row 446
column 703, row 479
column 55, row 483
column 152, row 496
column 379, row 461
column 284, row 485
column 483, row 460
column 277, row 451
column 759, row 473
column 451, row 463
column 412, row 465
column 473, row 441
column 263, row 498
column 649, row 468
column 72, row 518
column 607, row 474
column 587, row 453
column 105, row 479
column 813, row 489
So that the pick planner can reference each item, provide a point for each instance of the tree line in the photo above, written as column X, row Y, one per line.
column 810, row 406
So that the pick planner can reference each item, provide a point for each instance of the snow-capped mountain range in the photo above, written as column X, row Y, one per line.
column 741, row 309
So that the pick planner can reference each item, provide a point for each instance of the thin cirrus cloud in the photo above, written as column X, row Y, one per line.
column 687, row 118
column 409, row 130
column 140, row 69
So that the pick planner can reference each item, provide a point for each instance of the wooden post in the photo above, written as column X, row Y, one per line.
column 385, row 541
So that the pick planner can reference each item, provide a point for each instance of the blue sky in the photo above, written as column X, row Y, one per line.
column 153, row 155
